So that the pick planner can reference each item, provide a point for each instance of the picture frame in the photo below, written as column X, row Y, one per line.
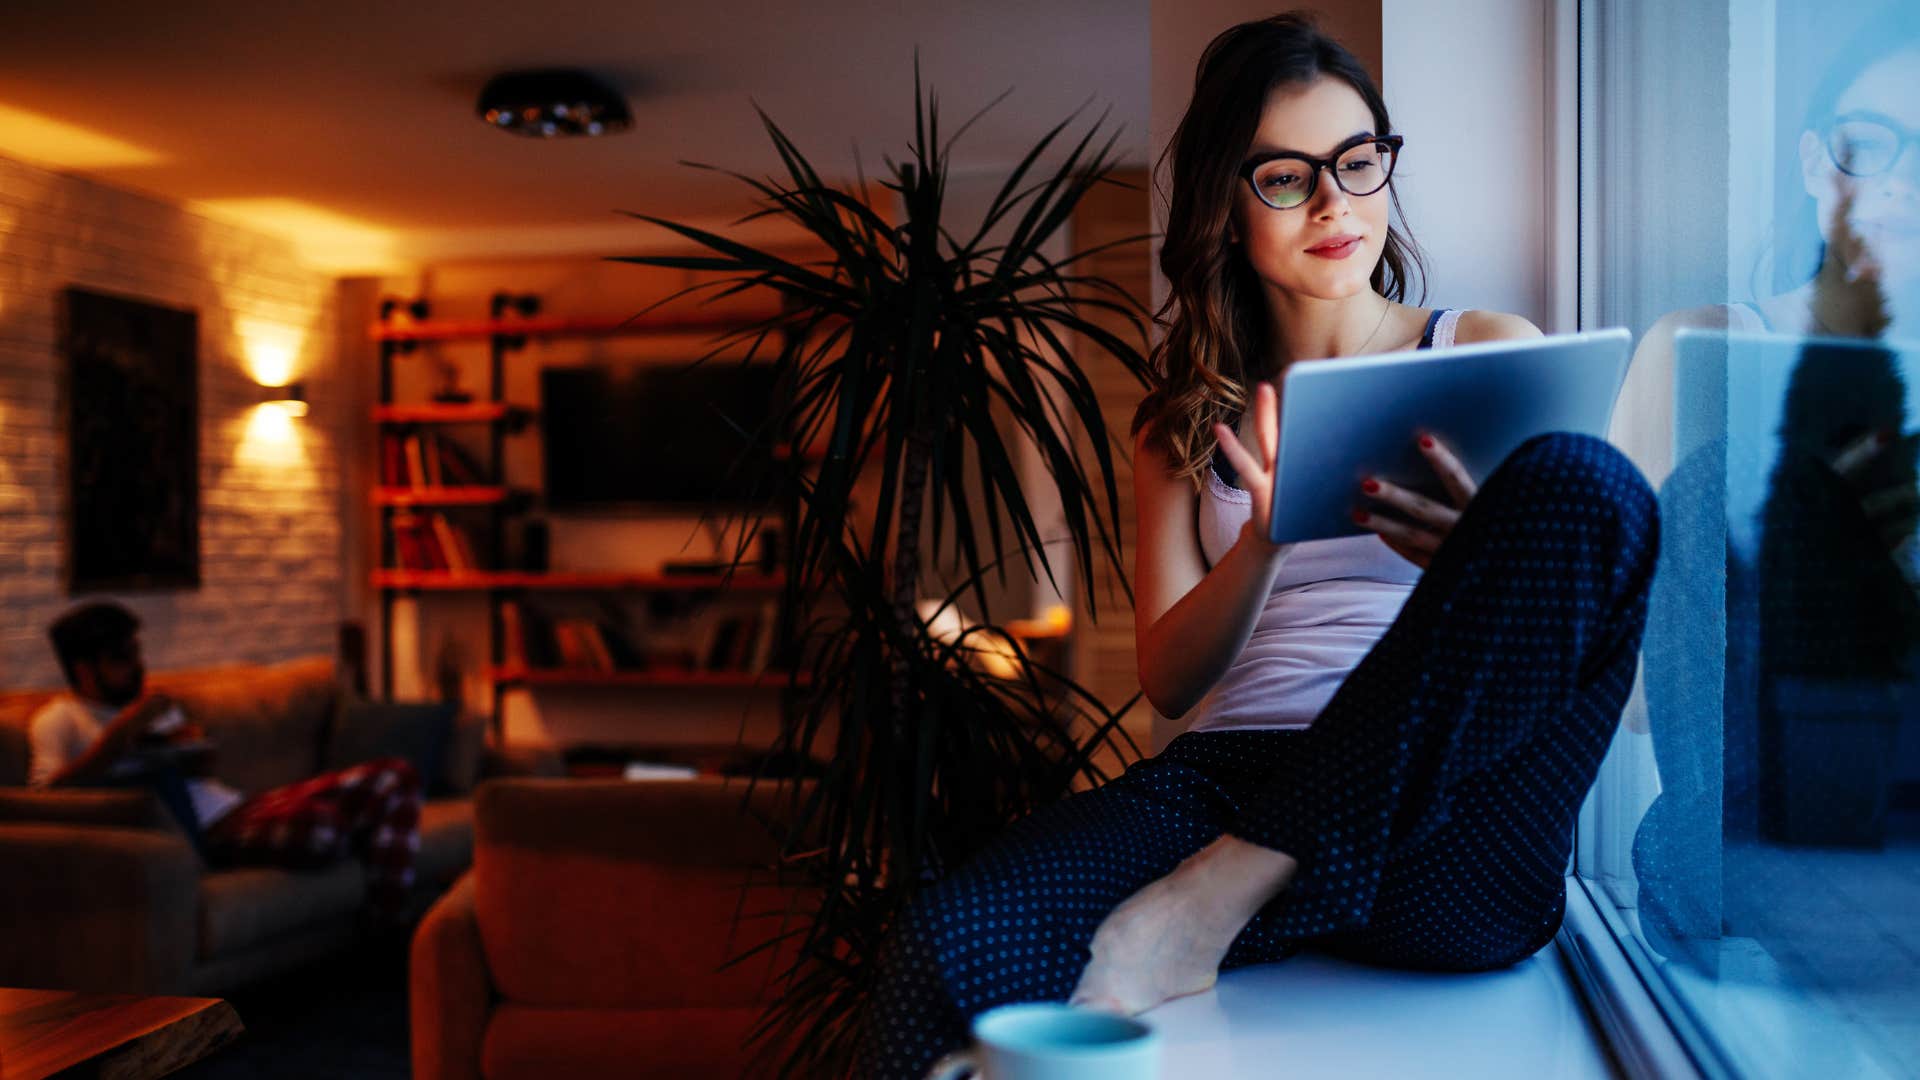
column 133, row 443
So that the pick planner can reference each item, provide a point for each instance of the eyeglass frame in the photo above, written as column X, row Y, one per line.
column 1905, row 137
column 1248, row 166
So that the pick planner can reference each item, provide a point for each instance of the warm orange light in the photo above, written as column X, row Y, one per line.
column 322, row 239
column 55, row 144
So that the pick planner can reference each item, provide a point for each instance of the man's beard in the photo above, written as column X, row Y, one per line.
column 126, row 693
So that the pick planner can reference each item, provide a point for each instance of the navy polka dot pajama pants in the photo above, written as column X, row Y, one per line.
column 1430, row 806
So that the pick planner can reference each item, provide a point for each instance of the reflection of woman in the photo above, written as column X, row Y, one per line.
column 1822, row 600
column 1424, row 817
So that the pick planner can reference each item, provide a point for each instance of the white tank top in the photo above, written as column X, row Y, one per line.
column 1332, row 600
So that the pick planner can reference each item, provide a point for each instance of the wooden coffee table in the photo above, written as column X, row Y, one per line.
column 44, row 1032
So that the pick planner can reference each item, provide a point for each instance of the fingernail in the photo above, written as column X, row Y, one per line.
column 1360, row 517
column 1426, row 442
column 1370, row 486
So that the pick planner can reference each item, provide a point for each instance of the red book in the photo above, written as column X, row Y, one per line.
column 406, row 542
column 390, row 460
column 430, row 550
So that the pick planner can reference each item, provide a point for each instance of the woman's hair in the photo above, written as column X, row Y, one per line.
column 1890, row 29
column 1217, row 340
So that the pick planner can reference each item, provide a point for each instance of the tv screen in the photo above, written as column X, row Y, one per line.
column 656, row 434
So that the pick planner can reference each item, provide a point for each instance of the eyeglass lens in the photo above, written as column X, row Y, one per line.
column 1862, row 147
column 1285, row 182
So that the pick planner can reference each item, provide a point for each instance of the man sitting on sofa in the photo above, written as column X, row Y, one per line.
column 106, row 733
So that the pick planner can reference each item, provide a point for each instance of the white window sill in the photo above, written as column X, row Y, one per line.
column 1315, row 1016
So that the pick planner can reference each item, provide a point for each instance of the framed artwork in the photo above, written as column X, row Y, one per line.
column 133, row 444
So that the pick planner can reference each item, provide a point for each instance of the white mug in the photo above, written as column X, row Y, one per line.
column 1047, row 1040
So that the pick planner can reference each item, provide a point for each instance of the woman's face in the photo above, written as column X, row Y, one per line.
column 1298, row 250
column 1881, row 234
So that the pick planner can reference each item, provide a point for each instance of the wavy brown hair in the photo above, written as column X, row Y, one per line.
column 1217, row 343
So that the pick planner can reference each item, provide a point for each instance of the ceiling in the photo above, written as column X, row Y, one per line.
column 350, row 127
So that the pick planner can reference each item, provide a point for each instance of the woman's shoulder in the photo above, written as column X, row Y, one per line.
column 1477, row 325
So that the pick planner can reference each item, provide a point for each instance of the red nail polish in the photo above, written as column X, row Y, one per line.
column 1369, row 486
column 1426, row 442
column 1360, row 517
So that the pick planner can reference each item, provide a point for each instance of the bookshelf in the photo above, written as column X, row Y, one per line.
column 443, row 514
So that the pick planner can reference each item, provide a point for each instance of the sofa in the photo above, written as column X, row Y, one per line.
column 103, row 891
column 588, row 939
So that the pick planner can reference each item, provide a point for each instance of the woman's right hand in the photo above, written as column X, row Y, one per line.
column 1255, row 465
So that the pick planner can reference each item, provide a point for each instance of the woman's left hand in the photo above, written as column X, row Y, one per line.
column 1427, row 522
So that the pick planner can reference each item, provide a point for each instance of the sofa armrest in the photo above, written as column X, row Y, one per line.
column 450, row 994
column 87, row 907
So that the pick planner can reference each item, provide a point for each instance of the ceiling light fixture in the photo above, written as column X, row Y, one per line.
column 552, row 102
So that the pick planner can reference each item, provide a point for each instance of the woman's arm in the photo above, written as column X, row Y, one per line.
column 1190, row 623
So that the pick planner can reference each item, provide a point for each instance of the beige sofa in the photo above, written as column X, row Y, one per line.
column 102, row 891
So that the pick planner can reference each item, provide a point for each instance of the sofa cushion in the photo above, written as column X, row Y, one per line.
column 250, row 905
column 267, row 720
column 365, row 730
column 531, row 1042
column 446, row 841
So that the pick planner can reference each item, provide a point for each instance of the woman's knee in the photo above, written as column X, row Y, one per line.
column 1563, row 477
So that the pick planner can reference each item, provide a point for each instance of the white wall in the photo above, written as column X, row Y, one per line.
column 269, row 488
column 1470, row 84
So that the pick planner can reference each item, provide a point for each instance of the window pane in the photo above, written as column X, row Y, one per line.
column 1751, row 210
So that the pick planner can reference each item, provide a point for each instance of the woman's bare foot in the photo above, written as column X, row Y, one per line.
column 1168, row 939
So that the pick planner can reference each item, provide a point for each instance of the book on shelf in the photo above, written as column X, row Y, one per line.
column 457, row 467
column 719, row 642
column 743, row 642
column 427, row 459
column 452, row 547
column 393, row 469
column 760, row 654
column 415, row 463
column 621, row 648
column 596, row 645
column 539, row 642
column 428, row 541
column 513, row 635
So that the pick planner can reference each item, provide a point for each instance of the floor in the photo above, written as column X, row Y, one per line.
column 345, row 1017
column 1315, row 1016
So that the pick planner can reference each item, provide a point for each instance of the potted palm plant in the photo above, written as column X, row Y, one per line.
column 899, row 344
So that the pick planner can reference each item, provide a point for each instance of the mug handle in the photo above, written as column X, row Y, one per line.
column 954, row 1066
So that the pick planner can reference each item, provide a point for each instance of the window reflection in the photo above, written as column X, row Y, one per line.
column 1759, row 819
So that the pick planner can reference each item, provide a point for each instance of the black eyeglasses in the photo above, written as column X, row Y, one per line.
column 1285, row 179
column 1867, row 143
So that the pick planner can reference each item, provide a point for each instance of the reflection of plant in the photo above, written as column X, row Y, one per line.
column 906, row 340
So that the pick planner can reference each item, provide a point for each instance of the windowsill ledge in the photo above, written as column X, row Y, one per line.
column 1314, row 1015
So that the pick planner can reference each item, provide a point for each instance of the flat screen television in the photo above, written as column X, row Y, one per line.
column 642, row 435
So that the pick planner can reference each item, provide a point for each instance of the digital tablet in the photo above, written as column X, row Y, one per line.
column 1344, row 420
column 1741, row 397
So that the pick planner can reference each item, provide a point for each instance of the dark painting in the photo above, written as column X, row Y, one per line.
column 133, row 444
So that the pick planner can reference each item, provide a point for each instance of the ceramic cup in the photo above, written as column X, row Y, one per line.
column 1053, row 1041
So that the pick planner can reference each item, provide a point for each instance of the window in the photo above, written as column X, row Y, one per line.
column 1750, row 209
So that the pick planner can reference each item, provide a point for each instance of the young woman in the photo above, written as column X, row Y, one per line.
column 1390, row 734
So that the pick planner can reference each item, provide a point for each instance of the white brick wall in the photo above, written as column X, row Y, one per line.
column 269, row 503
